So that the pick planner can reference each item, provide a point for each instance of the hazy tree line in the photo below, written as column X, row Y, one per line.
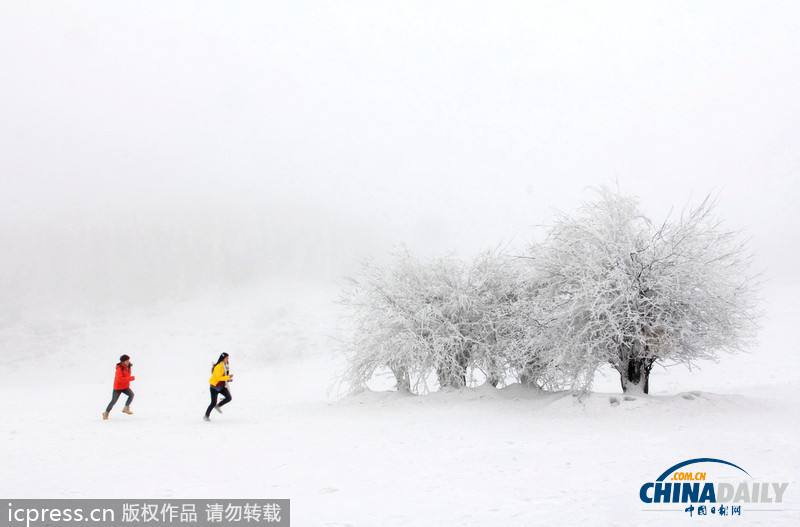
column 132, row 256
column 606, row 286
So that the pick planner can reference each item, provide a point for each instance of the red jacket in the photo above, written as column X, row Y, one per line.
column 123, row 377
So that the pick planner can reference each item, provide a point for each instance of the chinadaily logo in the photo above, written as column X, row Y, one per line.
column 707, row 486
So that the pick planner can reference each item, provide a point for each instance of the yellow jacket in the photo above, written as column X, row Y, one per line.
column 218, row 375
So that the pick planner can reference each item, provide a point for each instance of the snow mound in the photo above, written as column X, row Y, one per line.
column 558, row 403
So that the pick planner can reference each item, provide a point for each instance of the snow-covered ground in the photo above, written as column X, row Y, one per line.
column 480, row 456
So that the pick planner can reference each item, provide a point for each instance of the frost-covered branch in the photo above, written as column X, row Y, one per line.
column 624, row 293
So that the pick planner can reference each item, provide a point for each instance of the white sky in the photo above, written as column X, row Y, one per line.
column 441, row 125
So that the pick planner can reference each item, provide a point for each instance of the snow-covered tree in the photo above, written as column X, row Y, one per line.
column 442, row 317
column 616, row 288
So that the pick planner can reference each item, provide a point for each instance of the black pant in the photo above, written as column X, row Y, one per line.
column 115, row 397
column 214, row 394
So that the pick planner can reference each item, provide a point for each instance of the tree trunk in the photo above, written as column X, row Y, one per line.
column 494, row 371
column 532, row 373
column 450, row 379
column 403, row 379
column 635, row 375
column 453, row 374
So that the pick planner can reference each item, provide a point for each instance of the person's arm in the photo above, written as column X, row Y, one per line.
column 218, row 375
column 222, row 375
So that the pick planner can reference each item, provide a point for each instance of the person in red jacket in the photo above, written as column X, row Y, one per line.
column 122, row 384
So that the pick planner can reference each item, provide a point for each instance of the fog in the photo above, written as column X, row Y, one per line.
column 154, row 149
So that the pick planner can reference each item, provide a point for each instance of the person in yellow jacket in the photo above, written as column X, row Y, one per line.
column 220, row 375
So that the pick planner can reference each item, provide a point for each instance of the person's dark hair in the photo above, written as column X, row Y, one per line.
column 221, row 358
column 124, row 358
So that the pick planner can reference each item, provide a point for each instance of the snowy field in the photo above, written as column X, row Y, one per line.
column 480, row 456
column 159, row 159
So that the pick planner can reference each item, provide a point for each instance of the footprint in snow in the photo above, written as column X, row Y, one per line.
column 614, row 401
column 328, row 490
